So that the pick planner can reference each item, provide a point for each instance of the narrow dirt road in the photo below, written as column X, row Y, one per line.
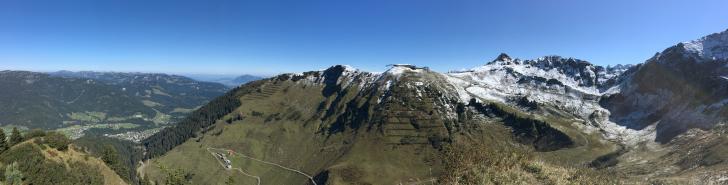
column 209, row 149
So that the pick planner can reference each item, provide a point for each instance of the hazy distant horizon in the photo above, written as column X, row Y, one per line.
column 197, row 76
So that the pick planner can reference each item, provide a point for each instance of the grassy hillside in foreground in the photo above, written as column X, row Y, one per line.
column 39, row 163
column 479, row 163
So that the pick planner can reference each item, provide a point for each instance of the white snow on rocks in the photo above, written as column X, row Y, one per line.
column 398, row 69
column 612, row 72
column 713, row 46
column 500, row 81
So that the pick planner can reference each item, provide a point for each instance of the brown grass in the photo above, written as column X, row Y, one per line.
column 475, row 163
column 73, row 155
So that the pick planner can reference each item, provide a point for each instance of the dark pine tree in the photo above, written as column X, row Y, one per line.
column 15, row 137
column 3, row 143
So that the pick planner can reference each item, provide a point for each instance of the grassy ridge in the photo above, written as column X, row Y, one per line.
column 42, row 164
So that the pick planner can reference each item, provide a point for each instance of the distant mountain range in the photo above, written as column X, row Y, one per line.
column 227, row 80
column 237, row 81
column 550, row 120
column 166, row 91
column 70, row 99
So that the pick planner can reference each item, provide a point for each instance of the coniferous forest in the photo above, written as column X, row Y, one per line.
column 204, row 117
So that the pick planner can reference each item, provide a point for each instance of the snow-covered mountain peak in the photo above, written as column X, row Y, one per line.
column 503, row 59
column 712, row 47
column 578, row 74
column 571, row 85
column 399, row 69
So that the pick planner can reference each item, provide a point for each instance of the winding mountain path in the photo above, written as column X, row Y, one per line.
column 209, row 149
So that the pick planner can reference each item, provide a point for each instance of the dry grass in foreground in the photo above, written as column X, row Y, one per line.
column 489, row 164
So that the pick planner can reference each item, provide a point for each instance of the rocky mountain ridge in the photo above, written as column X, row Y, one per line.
column 711, row 47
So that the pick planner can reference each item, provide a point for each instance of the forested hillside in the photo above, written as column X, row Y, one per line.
column 37, row 100
column 165, row 92
column 128, row 106
column 203, row 117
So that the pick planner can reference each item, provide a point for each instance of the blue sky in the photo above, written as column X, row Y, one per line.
column 269, row 37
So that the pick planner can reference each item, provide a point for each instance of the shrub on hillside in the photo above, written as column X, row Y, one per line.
column 34, row 134
column 57, row 141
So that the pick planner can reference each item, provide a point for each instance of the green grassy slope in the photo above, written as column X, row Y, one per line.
column 41, row 164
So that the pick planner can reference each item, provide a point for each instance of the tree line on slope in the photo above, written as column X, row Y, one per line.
column 120, row 155
column 207, row 115
column 14, row 139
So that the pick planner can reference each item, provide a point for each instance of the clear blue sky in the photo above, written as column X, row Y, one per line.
column 268, row 37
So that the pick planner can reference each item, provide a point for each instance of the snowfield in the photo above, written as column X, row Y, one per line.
column 713, row 46
column 502, row 80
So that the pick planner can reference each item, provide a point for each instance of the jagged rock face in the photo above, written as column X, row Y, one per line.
column 583, row 72
column 574, row 71
column 711, row 47
column 571, row 85
column 568, row 89
column 676, row 90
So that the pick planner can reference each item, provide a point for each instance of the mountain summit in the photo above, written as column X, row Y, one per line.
column 503, row 57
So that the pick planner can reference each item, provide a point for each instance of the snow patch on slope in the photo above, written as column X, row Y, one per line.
column 399, row 69
column 713, row 46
